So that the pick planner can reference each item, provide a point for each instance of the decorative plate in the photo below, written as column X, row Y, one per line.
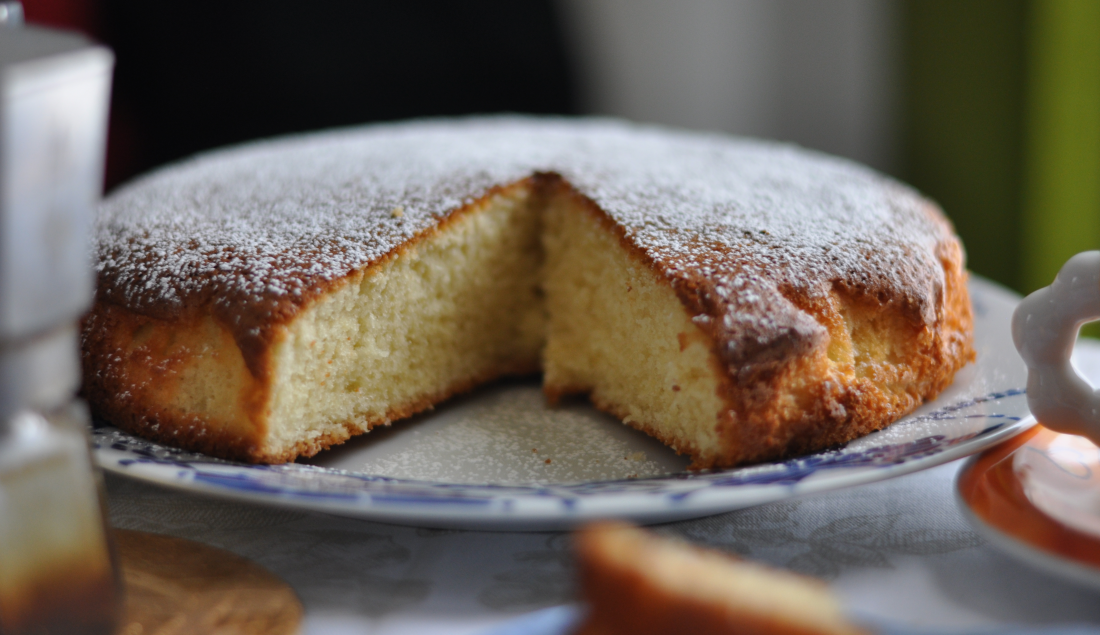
column 1037, row 497
column 500, row 459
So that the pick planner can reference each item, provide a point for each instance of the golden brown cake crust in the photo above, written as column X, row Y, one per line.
column 774, row 252
column 123, row 387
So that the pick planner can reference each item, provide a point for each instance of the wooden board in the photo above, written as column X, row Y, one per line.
column 176, row 586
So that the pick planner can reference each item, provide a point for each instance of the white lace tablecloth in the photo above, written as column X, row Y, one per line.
column 898, row 551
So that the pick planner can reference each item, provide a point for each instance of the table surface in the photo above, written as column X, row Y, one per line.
column 898, row 552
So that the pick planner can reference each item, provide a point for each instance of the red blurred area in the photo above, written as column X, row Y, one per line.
column 75, row 15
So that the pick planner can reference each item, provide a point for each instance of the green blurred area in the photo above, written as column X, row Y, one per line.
column 1001, row 126
column 963, row 119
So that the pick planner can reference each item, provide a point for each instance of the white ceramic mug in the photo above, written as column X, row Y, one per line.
column 1044, row 328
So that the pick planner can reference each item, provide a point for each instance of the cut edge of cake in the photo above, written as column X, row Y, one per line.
column 618, row 334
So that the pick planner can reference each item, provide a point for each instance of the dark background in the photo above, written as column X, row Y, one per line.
column 197, row 75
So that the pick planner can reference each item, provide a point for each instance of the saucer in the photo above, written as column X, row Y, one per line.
column 1037, row 497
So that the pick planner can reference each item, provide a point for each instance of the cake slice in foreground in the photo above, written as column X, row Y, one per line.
column 635, row 583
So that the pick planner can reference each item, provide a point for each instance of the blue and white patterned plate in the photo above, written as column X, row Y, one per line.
column 499, row 459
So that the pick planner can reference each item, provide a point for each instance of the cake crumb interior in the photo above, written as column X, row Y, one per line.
column 456, row 308
column 619, row 334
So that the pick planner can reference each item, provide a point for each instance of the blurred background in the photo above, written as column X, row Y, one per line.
column 990, row 107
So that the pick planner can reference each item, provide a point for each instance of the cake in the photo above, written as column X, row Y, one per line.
column 636, row 583
column 741, row 301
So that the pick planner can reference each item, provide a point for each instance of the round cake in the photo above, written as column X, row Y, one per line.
column 739, row 300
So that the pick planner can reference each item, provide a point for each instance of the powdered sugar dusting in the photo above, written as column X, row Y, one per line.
column 256, row 229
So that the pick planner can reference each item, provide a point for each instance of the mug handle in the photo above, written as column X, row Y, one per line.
column 1044, row 329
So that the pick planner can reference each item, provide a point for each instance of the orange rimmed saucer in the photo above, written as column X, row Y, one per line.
column 1037, row 496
